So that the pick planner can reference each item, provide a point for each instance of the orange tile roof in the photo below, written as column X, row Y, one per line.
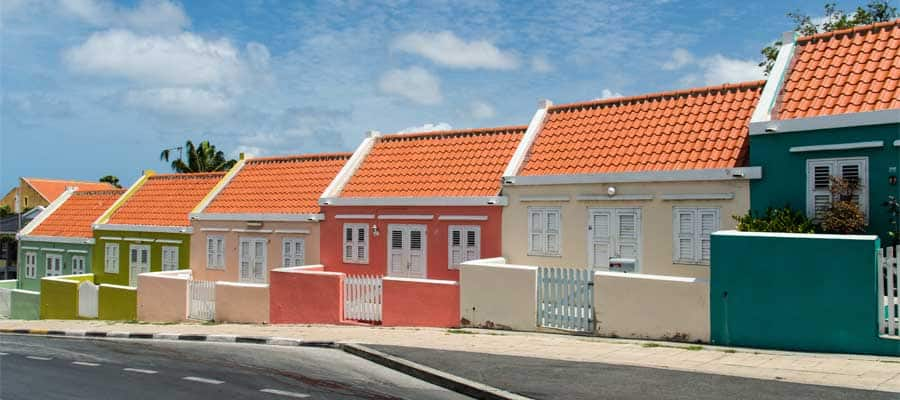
column 852, row 70
column 52, row 188
column 459, row 163
column 165, row 200
column 74, row 217
column 689, row 129
column 279, row 185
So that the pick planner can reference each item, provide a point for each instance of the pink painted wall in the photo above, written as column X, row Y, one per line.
column 231, row 272
column 162, row 296
column 436, row 244
column 240, row 302
column 413, row 302
column 306, row 295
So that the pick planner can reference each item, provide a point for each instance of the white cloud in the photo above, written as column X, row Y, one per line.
column 440, row 126
column 609, row 94
column 447, row 49
column 541, row 64
column 258, row 55
column 149, row 15
column 680, row 58
column 413, row 83
column 249, row 151
column 481, row 110
column 184, row 101
column 713, row 70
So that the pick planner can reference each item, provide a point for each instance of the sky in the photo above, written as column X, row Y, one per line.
column 97, row 87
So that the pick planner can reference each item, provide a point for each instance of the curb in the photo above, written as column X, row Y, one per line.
column 273, row 341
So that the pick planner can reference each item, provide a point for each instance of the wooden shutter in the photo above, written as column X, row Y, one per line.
column 600, row 232
column 464, row 244
column 245, row 260
column 819, row 187
column 552, row 233
column 535, row 231
column 709, row 223
column 348, row 243
column 684, row 235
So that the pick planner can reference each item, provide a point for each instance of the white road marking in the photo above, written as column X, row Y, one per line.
column 40, row 358
column 4, row 354
column 285, row 393
column 203, row 380
column 85, row 364
column 140, row 371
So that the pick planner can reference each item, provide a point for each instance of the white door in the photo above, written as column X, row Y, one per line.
column 54, row 265
column 139, row 262
column 406, row 251
column 253, row 260
column 77, row 265
column 613, row 233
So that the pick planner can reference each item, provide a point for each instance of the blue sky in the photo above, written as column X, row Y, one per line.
column 96, row 87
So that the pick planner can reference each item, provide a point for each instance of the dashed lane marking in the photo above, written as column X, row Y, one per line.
column 140, row 371
column 4, row 354
column 203, row 380
column 85, row 364
column 40, row 358
column 285, row 393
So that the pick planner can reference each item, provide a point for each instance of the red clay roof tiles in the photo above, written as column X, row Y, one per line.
column 165, row 200
column 852, row 70
column 74, row 217
column 279, row 185
column 459, row 163
column 689, row 129
column 52, row 188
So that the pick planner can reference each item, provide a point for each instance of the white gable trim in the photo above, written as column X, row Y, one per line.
column 534, row 127
column 336, row 186
column 847, row 120
column 46, row 213
column 697, row 196
column 144, row 228
column 415, row 201
column 723, row 174
column 769, row 96
column 220, row 186
column 58, row 239
column 463, row 218
column 256, row 217
column 838, row 146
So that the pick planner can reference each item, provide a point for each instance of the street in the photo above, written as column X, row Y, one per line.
column 60, row 368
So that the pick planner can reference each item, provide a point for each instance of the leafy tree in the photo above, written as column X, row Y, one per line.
column 835, row 19
column 202, row 158
column 5, row 210
column 783, row 219
column 112, row 180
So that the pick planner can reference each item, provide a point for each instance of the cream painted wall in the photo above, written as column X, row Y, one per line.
column 232, row 235
column 496, row 295
column 656, row 221
column 243, row 303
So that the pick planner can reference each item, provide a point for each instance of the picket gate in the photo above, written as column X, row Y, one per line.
column 88, row 298
column 202, row 295
column 565, row 299
column 888, row 296
column 363, row 295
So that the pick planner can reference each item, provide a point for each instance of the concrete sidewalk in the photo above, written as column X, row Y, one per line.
column 851, row 371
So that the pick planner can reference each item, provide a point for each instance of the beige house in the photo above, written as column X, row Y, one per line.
column 632, row 184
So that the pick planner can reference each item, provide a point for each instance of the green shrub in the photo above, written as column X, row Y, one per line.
column 844, row 217
column 783, row 219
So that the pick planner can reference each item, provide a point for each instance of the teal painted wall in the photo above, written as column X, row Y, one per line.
column 25, row 246
column 122, row 278
column 784, row 173
column 796, row 294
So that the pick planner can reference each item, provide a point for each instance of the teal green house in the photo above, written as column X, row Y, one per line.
column 60, row 241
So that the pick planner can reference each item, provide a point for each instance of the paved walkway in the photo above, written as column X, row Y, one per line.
column 852, row 371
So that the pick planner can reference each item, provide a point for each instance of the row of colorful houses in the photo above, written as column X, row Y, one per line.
column 634, row 185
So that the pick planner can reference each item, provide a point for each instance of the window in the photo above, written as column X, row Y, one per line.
column 293, row 252
column 31, row 265
column 692, row 228
column 464, row 244
column 252, row 255
column 215, row 252
column 78, row 265
column 543, row 231
column 169, row 258
column 111, row 258
column 356, row 243
column 53, row 265
column 818, row 183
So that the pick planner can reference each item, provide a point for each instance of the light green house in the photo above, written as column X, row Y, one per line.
column 148, row 228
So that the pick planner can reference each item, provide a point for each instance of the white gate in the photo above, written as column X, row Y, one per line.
column 202, row 296
column 362, row 298
column 888, row 296
column 88, row 296
column 565, row 299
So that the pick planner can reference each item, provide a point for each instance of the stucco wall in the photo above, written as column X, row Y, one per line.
column 25, row 304
column 242, row 302
column 117, row 303
column 306, row 295
column 41, row 249
column 59, row 296
column 656, row 221
column 496, row 295
column 269, row 230
column 148, row 238
column 163, row 296
column 30, row 198
column 419, row 302
column 651, row 306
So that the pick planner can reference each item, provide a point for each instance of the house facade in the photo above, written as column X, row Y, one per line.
column 263, row 215
column 60, row 240
column 831, row 108
column 148, row 228
column 40, row 192
column 632, row 184
column 417, row 205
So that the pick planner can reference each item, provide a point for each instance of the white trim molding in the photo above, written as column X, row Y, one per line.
column 463, row 218
column 697, row 196
column 241, row 230
column 214, row 229
column 219, row 186
column 110, row 238
column 77, row 251
column 354, row 216
column 526, row 199
column 795, row 235
column 838, row 146
column 29, row 248
column 336, row 186
column 49, row 210
column 723, row 174
column 143, row 228
column 847, row 120
column 534, row 128
column 618, row 197
column 169, row 241
column 416, row 217
column 52, row 249
column 769, row 95
column 257, row 217
column 415, row 201
column 293, row 231
column 897, row 143
column 58, row 239
column 138, row 240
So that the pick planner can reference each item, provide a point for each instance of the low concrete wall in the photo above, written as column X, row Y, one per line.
column 117, row 303
column 494, row 294
column 6, row 288
column 305, row 295
column 651, row 306
column 420, row 302
column 25, row 304
column 163, row 296
column 59, row 299
column 242, row 302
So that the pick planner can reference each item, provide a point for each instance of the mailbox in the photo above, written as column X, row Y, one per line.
column 622, row 264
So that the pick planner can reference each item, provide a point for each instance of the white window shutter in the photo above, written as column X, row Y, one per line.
column 535, row 232
column 684, row 235
column 709, row 223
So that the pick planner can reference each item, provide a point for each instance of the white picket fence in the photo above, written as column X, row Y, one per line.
column 565, row 299
column 889, row 293
column 202, row 297
column 363, row 295
column 88, row 299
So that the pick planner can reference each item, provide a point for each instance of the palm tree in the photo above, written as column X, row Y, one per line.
column 202, row 158
column 112, row 180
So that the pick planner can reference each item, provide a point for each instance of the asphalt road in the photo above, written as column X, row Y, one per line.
column 35, row 367
column 551, row 379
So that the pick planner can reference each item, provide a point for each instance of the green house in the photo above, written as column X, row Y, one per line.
column 148, row 228
column 830, row 108
column 60, row 241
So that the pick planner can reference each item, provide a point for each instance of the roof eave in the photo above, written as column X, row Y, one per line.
column 720, row 174
column 415, row 201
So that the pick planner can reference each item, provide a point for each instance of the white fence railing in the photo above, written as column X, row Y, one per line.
column 565, row 299
column 889, row 301
column 363, row 297
column 202, row 298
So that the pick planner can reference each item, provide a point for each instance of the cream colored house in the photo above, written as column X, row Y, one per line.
column 632, row 184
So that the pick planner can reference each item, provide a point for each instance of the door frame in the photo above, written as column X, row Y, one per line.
column 408, row 227
column 265, row 257
column 131, row 275
column 638, row 226
column 57, row 257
